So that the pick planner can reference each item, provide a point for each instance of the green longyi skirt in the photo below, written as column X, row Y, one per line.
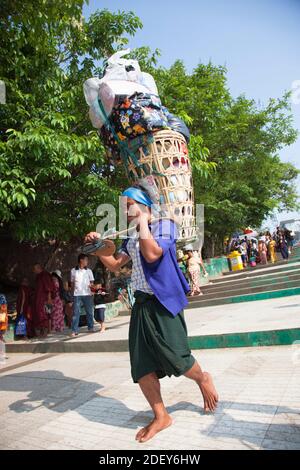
column 158, row 341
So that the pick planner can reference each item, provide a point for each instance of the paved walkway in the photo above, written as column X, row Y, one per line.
column 88, row 401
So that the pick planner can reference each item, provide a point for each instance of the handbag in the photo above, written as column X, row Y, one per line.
column 21, row 326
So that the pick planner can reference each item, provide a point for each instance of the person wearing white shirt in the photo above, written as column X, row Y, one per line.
column 82, row 279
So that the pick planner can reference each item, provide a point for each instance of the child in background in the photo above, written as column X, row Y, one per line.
column 99, row 304
column 68, row 298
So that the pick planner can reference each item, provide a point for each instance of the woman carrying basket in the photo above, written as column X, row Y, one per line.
column 158, row 343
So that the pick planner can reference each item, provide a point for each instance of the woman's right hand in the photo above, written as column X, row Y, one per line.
column 91, row 237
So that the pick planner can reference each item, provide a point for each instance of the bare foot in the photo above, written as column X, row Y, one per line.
column 153, row 428
column 209, row 392
column 102, row 328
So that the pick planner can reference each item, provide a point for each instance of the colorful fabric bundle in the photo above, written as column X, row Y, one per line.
column 124, row 105
column 138, row 114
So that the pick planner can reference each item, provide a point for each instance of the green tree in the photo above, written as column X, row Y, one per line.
column 241, row 140
column 52, row 166
column 52, row 169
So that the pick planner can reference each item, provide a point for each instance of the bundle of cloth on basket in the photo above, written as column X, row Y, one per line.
column 125, row 107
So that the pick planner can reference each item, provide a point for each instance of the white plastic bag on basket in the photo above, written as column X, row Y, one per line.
column 107, row 97
column 125, row 87
column 122, row 69
column 148, row 81
column 121, row 73
column 122, row 77
column 91, row 89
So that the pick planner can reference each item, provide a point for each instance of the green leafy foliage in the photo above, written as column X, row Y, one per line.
column 47, row 146
column 237, row 172
column 53, row 171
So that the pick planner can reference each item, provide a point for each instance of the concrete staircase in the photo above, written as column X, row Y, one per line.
column 259, row 283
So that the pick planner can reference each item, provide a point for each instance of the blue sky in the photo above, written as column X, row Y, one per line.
column 257, row 40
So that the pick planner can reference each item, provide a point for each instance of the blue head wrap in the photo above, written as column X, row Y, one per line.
column 138, row 195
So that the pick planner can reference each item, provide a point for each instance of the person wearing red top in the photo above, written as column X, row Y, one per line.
column 24, row 305
column 44, row 288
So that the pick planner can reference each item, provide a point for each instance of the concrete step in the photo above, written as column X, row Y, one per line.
column 270, row 294
column 241, row 294
column 270, row 269
column 256, row 282
column 262, row 323
column 256, row 268
column 262, row 266
column 227, row 340
column 232, row 291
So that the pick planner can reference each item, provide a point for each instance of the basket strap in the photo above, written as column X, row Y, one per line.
column 124, row 150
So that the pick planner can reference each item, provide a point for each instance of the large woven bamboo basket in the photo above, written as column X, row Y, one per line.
column 166, row 158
